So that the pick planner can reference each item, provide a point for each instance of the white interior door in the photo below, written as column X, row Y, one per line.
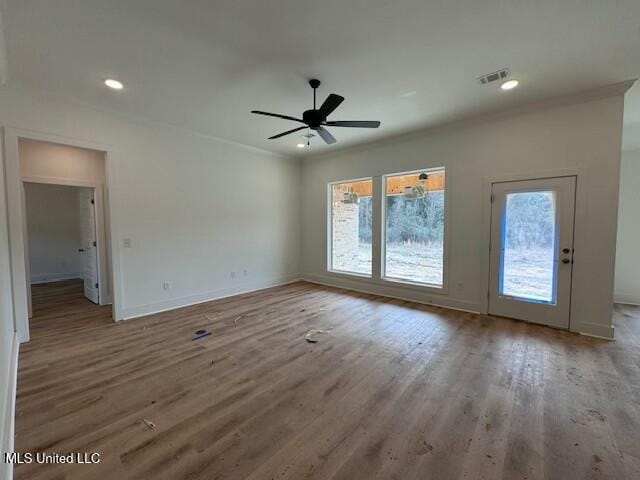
column 89, row 247
column 532, row 250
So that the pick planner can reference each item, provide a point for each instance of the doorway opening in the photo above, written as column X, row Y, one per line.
column 65, row 234
column 62, row 246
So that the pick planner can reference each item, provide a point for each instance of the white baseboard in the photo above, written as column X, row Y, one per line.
column 358, row 285
column 142, row 310
column 595, row 330
column 8, row 412
column 627, row 299
column 54, row 277
column 398, row 292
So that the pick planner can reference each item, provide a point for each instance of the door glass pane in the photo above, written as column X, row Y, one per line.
column 528, row 267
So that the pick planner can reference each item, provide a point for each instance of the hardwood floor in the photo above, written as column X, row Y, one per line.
column 394, row 390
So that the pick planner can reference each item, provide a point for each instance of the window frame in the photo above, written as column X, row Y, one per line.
column 442, row 289
column 329, row 249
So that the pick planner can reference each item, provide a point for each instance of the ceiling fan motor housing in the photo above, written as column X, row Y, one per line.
column 313, row 118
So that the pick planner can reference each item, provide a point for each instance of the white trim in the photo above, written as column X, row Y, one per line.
column 54, row 277
column 580, row 223
column 69, row 182
column 444, row 288
column 4, row 67
column 157, row 307
column 8, row 412
column 587, row 329
column 329, row 237
column 378, row 244
column 403, row 292
column 594, row 330
column 342, row 273
column 627, row 299
column 53, row 138
column 145, row 121
column 15, row 210
column 556, row 311
column 593, row 94
column 16, row 215
column 27, row 254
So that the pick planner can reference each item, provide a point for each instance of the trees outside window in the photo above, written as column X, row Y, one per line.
column 414, row 227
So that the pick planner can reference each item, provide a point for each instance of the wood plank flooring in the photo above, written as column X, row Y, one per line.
column 394, row 390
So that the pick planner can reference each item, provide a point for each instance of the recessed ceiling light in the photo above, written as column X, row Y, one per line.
column 114, row 84
column 509, row 85
column 301, row 145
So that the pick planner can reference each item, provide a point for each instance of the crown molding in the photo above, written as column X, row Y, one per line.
column 4, row 69
column 606, row 91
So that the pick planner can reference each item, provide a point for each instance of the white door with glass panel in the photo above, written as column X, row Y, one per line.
column 532, row 250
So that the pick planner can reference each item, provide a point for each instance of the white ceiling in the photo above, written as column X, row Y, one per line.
column 204, row 65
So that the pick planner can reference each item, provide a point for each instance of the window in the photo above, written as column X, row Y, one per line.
column 414, row 227
column 529, row 242
column 351, row 227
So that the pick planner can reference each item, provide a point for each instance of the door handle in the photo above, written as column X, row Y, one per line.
column 566, row 250
column 566, row 260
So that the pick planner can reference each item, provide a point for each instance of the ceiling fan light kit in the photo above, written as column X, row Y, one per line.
column 316, row 118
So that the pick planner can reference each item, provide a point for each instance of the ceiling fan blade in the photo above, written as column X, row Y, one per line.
column 330, row 104
column 355, row 123
column 287, row 132
column 277, row 115
column 326, row 136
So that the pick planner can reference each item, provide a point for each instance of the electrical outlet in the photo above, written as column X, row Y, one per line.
column 232, row 274
column 245, row 273
column 126, row 243
column 166, row 285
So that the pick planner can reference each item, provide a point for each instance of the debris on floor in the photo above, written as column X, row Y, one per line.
column 312, row 336
column 235, row 321
column 149, row 424
column 200, row 334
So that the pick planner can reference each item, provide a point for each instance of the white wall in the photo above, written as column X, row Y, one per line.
column 53, row 223
column 584, row 135
column 52, row 161
column 627, row 285
column 195, row 208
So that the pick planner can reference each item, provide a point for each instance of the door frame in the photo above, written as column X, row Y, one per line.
column 556, row 313
column 17, row 222
column 100, row 226
column 580, row 224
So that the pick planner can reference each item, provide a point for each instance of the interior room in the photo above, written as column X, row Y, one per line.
column 295, row 240
column 63, row 251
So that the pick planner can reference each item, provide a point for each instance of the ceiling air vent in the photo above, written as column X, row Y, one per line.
column 493, row 77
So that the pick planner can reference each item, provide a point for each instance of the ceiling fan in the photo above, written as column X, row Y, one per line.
column 316, row 119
